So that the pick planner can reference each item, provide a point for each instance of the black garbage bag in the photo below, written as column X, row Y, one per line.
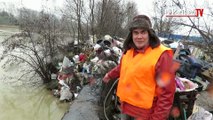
column 190, row 66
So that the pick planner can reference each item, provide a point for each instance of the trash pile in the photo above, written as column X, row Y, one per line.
column 88, row 67
column 192, row 94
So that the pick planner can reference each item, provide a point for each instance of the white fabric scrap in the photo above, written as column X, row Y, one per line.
column 65, row 94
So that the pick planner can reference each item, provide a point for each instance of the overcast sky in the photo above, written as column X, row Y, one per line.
column 143, row 6
column 37, row 4
column 32, row 4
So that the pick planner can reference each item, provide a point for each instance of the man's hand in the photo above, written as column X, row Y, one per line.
column 106, row 78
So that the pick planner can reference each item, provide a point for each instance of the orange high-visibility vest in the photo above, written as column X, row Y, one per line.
column 137, row 82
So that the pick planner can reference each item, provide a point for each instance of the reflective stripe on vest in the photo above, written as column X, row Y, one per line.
column 137, row 77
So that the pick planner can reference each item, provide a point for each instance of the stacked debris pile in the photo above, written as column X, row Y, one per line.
column 191, row 85
column 105, row 55
column 87, row 67
column 203, row 109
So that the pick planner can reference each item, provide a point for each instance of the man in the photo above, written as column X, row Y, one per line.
column 146, row 84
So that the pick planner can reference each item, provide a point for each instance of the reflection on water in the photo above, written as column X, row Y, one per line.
column 25, row 103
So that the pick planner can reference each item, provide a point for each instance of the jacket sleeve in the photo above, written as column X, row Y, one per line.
column 115, row 72
column 165, row 94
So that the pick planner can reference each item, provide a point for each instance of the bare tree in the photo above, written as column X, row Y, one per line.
column 98, row 18
column 112, row 17
column 202, row 26
column 75, row 8
column 162, row 24
column 36, row 45
column 131, row 11
column 92, row 20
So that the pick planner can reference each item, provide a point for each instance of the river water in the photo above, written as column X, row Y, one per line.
column 22, row 102
column 27, row 103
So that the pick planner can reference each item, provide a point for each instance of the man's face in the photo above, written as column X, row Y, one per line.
column 140, row 37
